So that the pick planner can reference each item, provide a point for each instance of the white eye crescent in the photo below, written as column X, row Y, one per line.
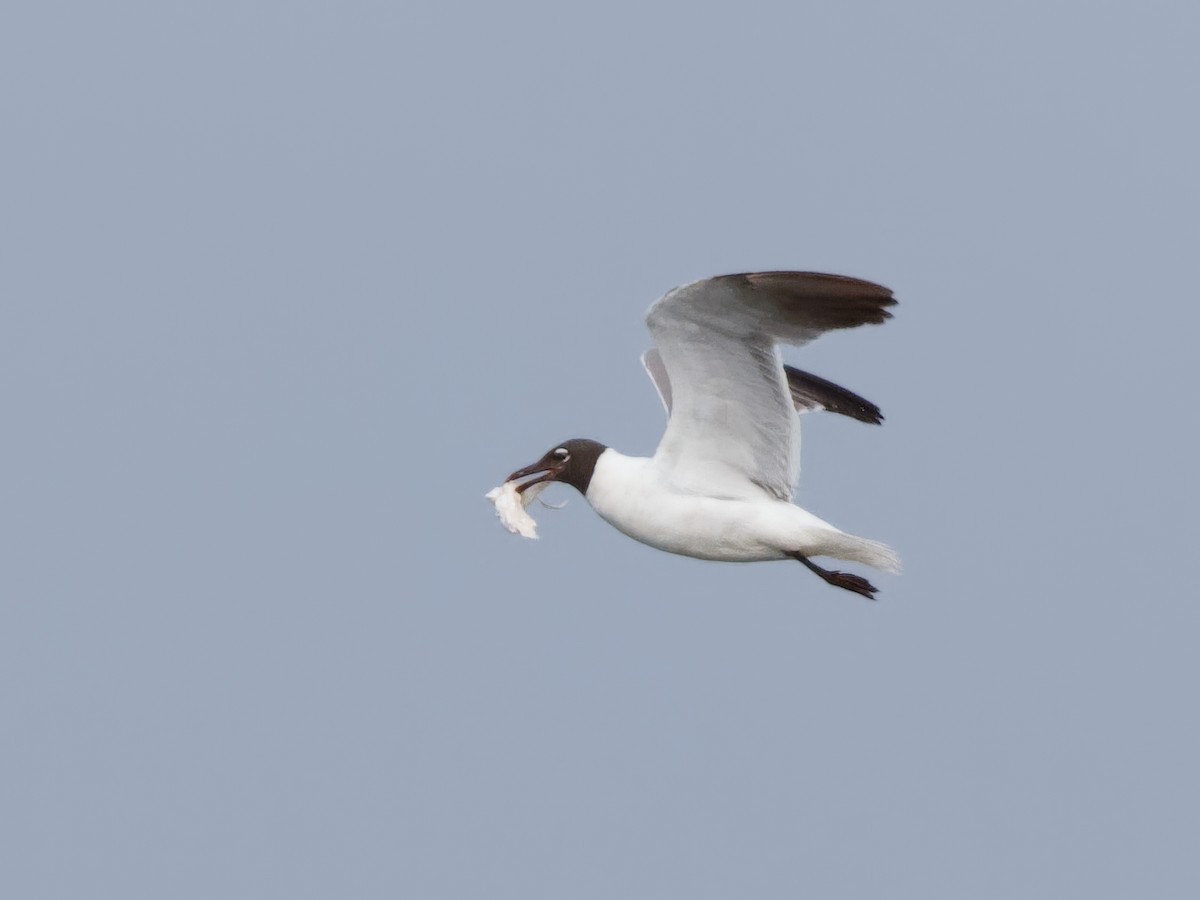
column 562, row 453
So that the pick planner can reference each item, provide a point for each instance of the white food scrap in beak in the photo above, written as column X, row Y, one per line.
column 510, row 507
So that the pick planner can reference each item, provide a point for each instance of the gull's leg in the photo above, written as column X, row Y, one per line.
column 845, row 580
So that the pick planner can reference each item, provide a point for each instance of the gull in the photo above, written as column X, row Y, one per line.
column 719, row 486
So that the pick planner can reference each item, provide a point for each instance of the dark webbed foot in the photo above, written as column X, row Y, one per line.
column 851, row 582
column 845, row 580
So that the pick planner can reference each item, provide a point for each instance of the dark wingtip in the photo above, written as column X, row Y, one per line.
column 829, row 301
column 810, row 391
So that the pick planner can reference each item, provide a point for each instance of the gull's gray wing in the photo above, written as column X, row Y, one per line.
column 653, row 364
column 730, row 399
column 809, row 392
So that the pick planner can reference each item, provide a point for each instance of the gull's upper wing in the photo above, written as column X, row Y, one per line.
column 809, row 392
column 719, row 374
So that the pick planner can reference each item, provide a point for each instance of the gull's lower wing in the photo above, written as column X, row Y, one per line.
column 811, row 392
column 653, row 364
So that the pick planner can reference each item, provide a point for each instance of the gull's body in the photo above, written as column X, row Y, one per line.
column 719, row 486
column 630, row 494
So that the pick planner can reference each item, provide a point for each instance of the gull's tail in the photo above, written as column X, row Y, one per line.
column 855, row 549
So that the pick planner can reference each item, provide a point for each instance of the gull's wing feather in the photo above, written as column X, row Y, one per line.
column 731, row 407
column 652, row 362
column 809, row 392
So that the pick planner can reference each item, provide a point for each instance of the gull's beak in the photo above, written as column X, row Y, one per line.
column 547, row 469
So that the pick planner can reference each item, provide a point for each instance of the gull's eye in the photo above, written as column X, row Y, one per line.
column 561, row 453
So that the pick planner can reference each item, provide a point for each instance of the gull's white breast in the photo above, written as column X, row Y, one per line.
column 631, row 494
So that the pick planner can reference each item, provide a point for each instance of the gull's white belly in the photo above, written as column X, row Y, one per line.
column 626, row 493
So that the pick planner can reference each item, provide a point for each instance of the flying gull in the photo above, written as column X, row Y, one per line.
column 719, row 486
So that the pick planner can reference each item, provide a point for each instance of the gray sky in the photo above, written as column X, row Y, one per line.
column 287, row 286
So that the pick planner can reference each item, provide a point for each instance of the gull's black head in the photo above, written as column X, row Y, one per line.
column 571, row 462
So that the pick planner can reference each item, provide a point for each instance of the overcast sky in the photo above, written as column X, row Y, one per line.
column 286, row 287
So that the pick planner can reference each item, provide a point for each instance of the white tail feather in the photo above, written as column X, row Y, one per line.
column 867, row 552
